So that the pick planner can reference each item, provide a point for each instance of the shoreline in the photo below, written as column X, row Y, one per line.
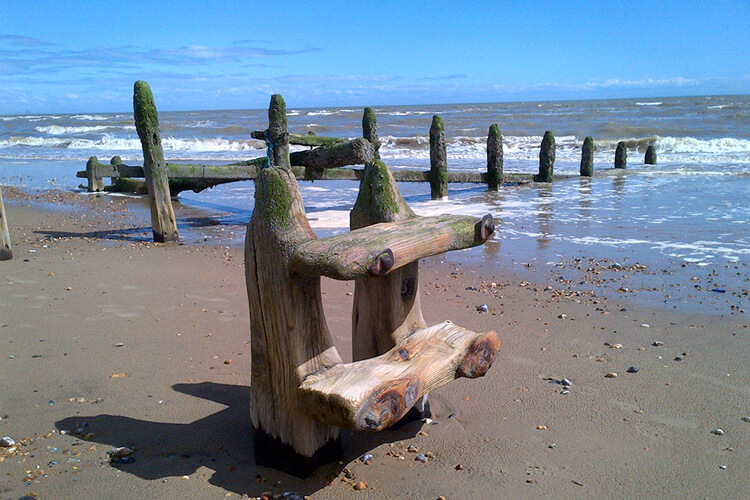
column 180, row 313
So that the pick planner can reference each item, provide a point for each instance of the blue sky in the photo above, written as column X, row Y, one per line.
column 78, row 56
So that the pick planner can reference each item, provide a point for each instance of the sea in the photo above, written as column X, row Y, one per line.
column 688, row 215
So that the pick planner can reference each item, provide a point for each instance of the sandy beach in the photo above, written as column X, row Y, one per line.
column 109, row 340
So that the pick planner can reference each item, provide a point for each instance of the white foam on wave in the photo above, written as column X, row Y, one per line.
column 700, row 250
column 59, row 130
column 110, row 142
column 90, row 117
column 658, row 103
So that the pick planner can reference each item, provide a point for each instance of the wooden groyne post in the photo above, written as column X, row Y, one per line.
column 546, row 158
column 494, row 158
column 370, row 130
column 154, row 168
column 438, row 160
column 6, row 253
column 95, row 183
column 301, row 392
column 621, row 155
column 587, row 157
column 650, row 158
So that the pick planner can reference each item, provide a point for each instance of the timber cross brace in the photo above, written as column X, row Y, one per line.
column 301, row 391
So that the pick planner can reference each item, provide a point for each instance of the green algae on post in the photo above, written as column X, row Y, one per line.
column 370, row 130
column 163, row 220
column 587, row 157
column 438, row 160
column 650, row 158
column 494, row 158
column 546, row 158
column 621, row 155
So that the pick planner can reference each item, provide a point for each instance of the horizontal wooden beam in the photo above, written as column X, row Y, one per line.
column 355, row 152
column 302, row 139
column 378, row 249
column 374, row 394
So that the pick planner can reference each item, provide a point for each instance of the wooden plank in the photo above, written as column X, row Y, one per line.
column 378, row 249
column 375, row 393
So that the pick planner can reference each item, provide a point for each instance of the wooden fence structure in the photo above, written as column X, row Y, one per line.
column 324, row 161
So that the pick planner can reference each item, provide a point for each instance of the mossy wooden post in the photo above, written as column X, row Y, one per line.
column 621, row 155
column 386, row 309
column 370, row 130
column 154, row 167
column 95, row 183
column 289, row 335
column 587, row 157
column 494, row 158
column 650, row 158
column 546, row 158
column 438, row 160
column 6, row 253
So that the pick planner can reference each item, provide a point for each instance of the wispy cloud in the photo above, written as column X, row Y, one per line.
column 22, row 41
column 614, row 83
column 28, row 56
column 457, row 76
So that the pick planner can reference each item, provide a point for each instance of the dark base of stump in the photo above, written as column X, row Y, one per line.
column 271, row 452
column 5, row 254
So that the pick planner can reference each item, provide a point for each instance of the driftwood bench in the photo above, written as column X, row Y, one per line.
column 302, row 392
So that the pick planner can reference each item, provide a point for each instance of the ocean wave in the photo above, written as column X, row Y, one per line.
column 60, row 130
column 657, row 103
column 110, row 142
column 693, row 145
column 95, row 118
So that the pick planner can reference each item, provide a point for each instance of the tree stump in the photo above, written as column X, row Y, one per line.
column 154, row 168
column 438, row 160
column 587, row 157
column 546, row 158
column 494, row 158
column 6, row 253
column 621, row 155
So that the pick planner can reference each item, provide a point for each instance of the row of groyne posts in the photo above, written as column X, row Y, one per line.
column 322, row 162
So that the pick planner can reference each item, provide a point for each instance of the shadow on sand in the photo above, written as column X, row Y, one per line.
column 221, row 441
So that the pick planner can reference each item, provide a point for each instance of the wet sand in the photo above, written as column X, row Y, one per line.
column 108, row 337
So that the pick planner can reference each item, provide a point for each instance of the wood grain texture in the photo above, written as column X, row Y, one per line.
column 375, row 393
column 378, row 249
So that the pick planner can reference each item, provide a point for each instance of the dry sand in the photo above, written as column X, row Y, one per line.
column 135, row 344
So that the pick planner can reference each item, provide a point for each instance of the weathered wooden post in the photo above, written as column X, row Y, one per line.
column 370, row 130
column 438, row 160
column 546, row 158
column 650, row 158
column 494, row 158
column 154, row 167
column 289, row 335
column 95, row 183
column 587, row 157
column 621, row 155
column 6, row 253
